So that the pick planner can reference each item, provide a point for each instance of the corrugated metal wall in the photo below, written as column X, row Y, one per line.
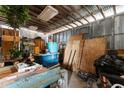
column 64, row 36
column 112, row 28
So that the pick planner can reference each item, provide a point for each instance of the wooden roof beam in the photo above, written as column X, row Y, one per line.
column 35, row 15
column 80, row 14
column 84, row 7
column 100, row 10
column 36, row 24
column 114, row 9
column 71, row 15
column 65, row 23
column 61, row 16
column 62, row 25
column 39, row 22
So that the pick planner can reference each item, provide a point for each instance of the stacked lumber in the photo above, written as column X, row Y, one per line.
column 92, row 49
column 72, row 51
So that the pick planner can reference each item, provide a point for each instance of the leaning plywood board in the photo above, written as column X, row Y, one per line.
column 76, row 47
column 93, row 49
column 72, row 49
column 76, row 37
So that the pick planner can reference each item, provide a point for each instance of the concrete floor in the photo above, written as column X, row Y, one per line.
column 76, row 82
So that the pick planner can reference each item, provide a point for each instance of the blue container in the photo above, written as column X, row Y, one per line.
column 48, row 60
column 53, row 47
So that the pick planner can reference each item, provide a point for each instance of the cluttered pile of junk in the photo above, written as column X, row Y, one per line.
column 27, row 62
column 32, row 63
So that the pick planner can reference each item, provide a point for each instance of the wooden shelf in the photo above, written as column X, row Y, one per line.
column 10, row 38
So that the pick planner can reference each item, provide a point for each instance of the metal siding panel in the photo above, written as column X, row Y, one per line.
column 68, row 35
column 96, row 29
column 119, row 24
column 61, row 36
column 119, row 41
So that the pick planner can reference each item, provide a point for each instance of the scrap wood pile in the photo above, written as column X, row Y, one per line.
column 81, row 53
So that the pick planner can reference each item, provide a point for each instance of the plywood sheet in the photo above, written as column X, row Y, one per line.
column 72, row 50
column 93, row 49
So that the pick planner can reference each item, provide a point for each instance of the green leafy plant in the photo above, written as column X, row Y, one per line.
column 16, row 15
column 15, row 53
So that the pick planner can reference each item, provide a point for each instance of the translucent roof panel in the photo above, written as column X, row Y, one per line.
column 90, row 19
column 73, row 25
column 79, row 24
column 68, row 26
column 119, row 9
column 108, row 12
column 98, row 16
column 84, row 21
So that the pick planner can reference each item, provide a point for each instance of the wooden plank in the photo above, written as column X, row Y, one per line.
column 72, row 46
column 41, row 78
column 100, row 10
column 7, row 38
column 120, row 52
column 84, row 7
column 93, row 49
column 80, row 54
column 76, row 47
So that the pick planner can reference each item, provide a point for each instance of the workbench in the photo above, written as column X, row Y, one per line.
column 34, row 80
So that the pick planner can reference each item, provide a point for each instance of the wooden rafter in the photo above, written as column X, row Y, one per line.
column 79, row 14
column 114, row 9
column 39, row 25
column 84, row 7
column 100, row 10
column 43, row 23
column 62, row 25
column 65, row 23
column 67, row 20
column 71, row 15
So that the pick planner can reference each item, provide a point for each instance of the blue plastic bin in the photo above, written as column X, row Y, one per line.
column 53, row 47
column 48, row 60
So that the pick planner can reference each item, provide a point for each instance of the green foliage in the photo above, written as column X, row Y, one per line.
column 15, row 53
column 16, row 15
